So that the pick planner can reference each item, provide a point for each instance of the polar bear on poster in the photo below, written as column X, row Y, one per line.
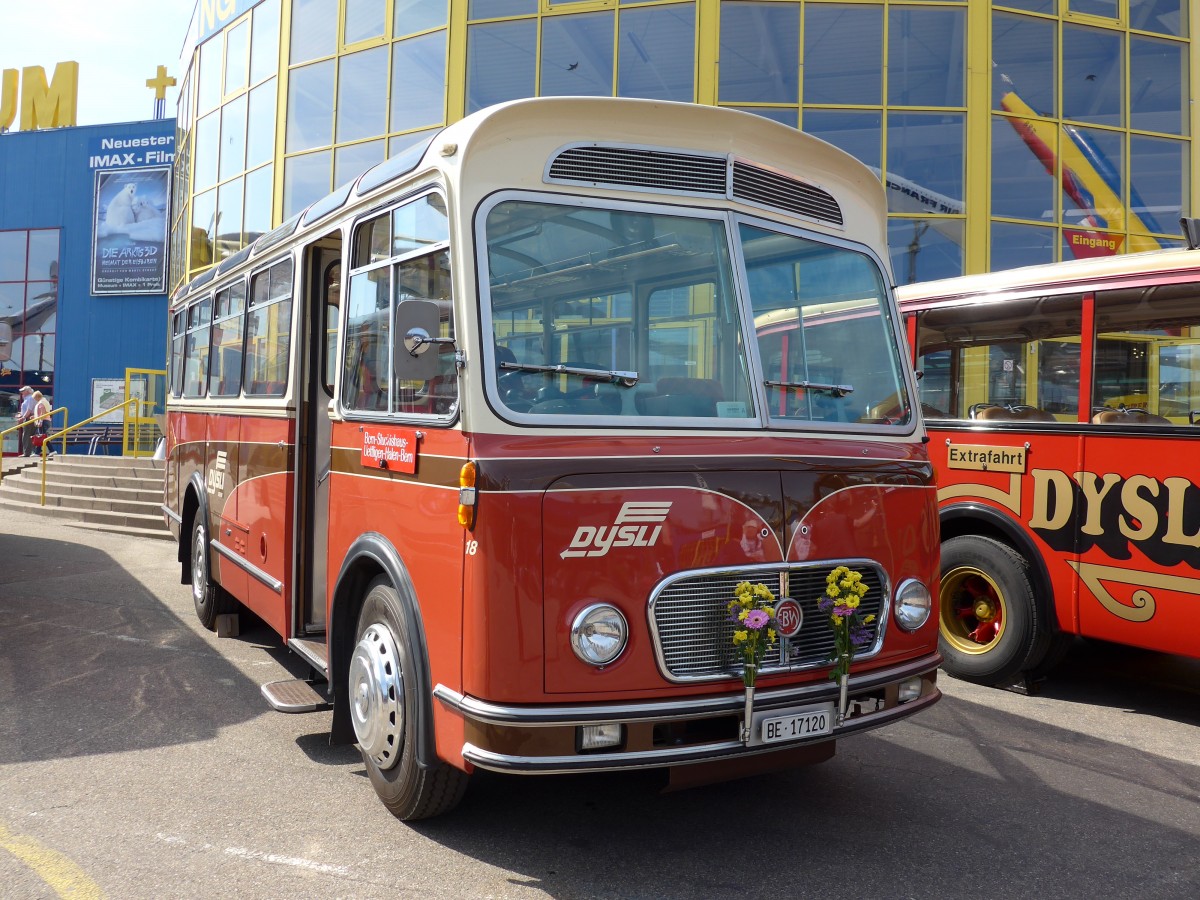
column 121, row 208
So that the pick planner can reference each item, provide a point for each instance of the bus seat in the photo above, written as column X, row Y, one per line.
column 1031, row 414
column 682, row 397
column 990, row 412
column 1131, row 416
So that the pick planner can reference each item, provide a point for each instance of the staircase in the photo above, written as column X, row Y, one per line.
column 104, row 493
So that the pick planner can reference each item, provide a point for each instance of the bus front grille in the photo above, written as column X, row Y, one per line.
column 693, row 639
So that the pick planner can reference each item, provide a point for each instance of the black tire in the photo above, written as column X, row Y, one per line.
column 210, row 598
column 383, row 698
column 991, row 629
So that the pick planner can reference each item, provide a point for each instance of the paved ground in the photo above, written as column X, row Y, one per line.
column 138, row 760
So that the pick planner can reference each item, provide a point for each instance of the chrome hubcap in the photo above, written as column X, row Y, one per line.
column 199, row 566
column 377, row 696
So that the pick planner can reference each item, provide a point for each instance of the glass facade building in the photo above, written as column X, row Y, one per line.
column 1007, row 133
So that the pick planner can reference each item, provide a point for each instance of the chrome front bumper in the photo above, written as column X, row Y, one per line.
column 661, row 732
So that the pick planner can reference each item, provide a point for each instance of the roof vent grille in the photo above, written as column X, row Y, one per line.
column 775, row 191
column 630, row 167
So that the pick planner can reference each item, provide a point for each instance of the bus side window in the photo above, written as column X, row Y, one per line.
column 1147, row 360
column 269, row 331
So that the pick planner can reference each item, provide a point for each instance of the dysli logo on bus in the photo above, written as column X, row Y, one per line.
column 636, row 525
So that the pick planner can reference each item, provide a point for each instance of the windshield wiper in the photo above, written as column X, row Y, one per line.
column 612, row 376
column 834, row 390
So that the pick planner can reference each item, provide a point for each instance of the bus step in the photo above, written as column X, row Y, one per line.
column 296, row 696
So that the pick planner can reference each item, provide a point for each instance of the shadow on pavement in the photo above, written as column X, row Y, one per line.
column 92, row 662
column 965, row 800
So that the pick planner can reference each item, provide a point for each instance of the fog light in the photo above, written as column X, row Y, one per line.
column 909, row 689
column 596, row 737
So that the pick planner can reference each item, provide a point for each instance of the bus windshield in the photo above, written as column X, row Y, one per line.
column 628, row 313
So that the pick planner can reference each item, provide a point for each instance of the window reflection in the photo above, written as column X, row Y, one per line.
column 858, row 133
column 305, row 180
column 350, row 162
column 208, row 147
column 576, row 55
column 657, row 53
column 1096, row 199
column 1015, row 245
column 260, row 133
column 759, row 52
column 1158, row 71
column 312, row 35
column 257, row 213
column 1162, row 16
column 364, row 19
column 1159, row 182
column 310, row 106
column 494, row 9
column 264, row 41
column 1024, row 52
column 500, row 62
column 926, row 150
column 237, row 44
column 925, row 249
column 926, row 56
column 229, row 219
column 208, row 92
column 1093, row 75
column 1020, row 186
column 362, row 94
column 411, row 16
column 418, row 81
column 233, row 137
column 831, row 75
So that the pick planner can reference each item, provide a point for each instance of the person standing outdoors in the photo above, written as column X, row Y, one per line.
column 24, row 414
column 41, row 407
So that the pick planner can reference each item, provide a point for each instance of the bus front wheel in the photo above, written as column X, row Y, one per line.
column 989, row 625
column 211, row 600
column 383, row 702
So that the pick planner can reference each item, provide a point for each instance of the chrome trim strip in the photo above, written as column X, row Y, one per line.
column 664, row 710
column 171, row 514
column 675, row 756
column 269, row 580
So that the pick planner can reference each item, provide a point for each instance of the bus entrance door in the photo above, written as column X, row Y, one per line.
column 323, row 279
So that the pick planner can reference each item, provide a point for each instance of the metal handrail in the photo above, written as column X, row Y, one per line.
column 63, row 434
column 61, row 409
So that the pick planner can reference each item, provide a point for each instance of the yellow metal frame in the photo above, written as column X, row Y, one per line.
column 155, row 381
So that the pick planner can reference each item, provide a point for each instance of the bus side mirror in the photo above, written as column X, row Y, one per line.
column 1191, row 231
column 5, row 341
column 417, row 325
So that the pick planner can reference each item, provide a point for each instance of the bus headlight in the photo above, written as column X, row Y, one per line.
column 913, row 604
column 598, row 634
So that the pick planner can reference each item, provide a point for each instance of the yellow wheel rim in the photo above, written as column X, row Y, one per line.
column 972, row 610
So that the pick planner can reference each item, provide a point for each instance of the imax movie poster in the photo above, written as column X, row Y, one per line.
column 129, row 235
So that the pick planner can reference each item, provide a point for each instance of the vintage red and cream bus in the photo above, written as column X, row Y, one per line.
column 489, row 437
column 1064, row 409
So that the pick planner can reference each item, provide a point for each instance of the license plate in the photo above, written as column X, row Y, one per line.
column 809, row 722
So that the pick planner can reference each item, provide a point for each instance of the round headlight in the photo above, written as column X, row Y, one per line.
column 598, row 634
column 913, row 603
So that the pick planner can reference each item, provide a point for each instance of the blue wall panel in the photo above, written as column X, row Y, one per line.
column 47, row 180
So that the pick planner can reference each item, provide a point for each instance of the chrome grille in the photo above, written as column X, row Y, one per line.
column 638, row 168
column 692, row 637
column 763, row 188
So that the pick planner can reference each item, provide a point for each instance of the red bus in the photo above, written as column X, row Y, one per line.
column 1062, row 404
column 486, row 437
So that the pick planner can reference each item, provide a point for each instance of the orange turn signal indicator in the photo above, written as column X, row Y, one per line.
column 466, row 495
